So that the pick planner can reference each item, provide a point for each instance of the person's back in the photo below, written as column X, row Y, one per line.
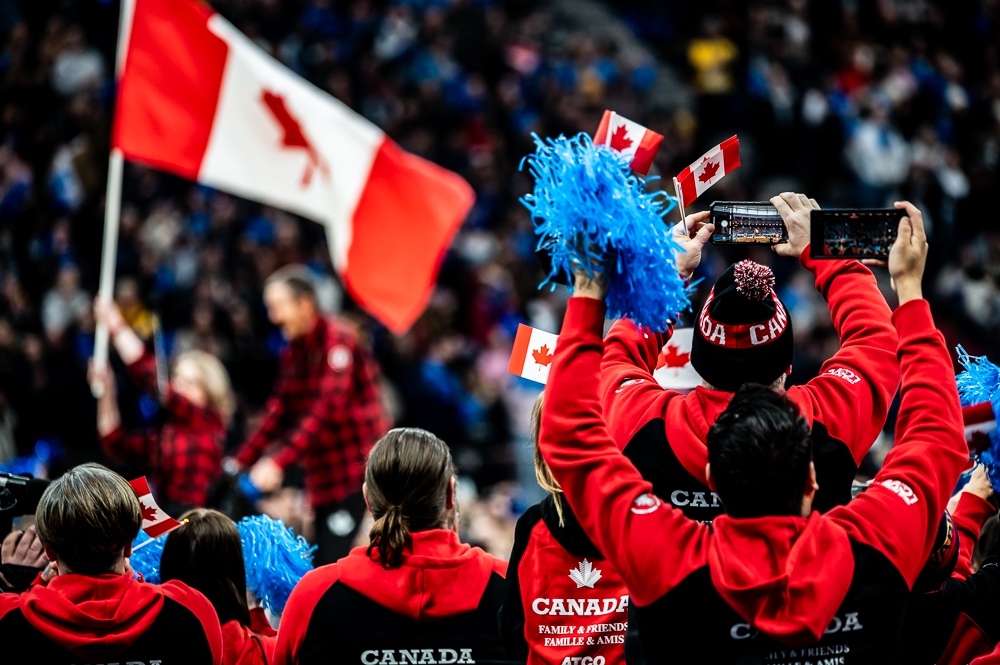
column 416, row 594
column 94, row 610
column 743, row 334
column 564, row 600
column 771, row 581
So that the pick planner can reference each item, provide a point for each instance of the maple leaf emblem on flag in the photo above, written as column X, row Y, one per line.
column 293, row 135
column 709, row 171
column 620, row 140
column 149, row 513
column 669, row 357
column 585, row 575
column 542, row 355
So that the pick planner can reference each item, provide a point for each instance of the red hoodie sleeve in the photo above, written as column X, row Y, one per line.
column 899, row 513
column 630, row 395
column 854, row 389
column 299, row 610
column 652, row 545
column 969, row 517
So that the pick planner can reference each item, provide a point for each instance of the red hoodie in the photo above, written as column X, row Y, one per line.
column 111, row 617
column 663, row 432
column 253, row 645
column 774, row 589
column 439, row 606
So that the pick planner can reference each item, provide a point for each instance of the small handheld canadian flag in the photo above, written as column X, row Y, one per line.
column 673, row 368
column 629, row 138
column 533, row 353
column 155, row 522
column 980, row 421
column 708, row 170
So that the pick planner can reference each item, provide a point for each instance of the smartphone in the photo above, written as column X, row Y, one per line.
column 746, row 222
column 22, row 523
column 853, row 233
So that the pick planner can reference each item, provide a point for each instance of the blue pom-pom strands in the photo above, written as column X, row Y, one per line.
column 275, row 559
column 590, row 211
column 146, row 559
column 980, row 382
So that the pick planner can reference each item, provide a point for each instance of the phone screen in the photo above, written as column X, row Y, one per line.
column 738, row 222
column 853, row 234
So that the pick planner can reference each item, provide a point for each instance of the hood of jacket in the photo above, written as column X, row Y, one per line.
column 93, row 617
column 785, row 575
column 439, row 576
column 244, row 646
column 690, row 417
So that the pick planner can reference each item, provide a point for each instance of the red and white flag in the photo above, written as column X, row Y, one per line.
column 199, row 99
column 980, row 421
column 708, row 170
column 673, row 368
column 533, row 353
column 155, row 522
column 629, row 138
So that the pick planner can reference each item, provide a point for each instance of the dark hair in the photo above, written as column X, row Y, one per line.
column 207, row 555
column 296, row 278
column 760, row 449
column 88, row 516
column 408, row 475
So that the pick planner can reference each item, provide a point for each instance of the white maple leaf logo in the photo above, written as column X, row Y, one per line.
column 585, row 575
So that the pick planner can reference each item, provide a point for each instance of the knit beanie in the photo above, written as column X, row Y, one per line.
column 743, row 333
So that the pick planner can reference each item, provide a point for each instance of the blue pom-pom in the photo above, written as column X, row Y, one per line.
column 146, row 560
column 980, row 382
column 275, row 559
column 590, row 211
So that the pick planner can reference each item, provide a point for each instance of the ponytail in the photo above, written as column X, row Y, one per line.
column 543, row 474
column 408, row 479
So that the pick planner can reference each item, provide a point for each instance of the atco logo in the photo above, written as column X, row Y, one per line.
column 339, row 358
column 845, row 374
column 904, row 491
column 644, row 504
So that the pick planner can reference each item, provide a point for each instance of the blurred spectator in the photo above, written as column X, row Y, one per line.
column 65, row 304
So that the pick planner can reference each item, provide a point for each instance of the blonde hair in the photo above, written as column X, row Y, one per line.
column 215, row 381
column 542, row 471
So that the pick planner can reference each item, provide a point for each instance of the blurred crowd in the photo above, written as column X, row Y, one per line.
column 856, row 102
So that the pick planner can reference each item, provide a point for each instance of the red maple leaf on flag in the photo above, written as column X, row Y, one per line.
column 669, row 357
column 293, row 134
column 620, row 139
column 709, row 172
column 148, row 513
column 542, row 355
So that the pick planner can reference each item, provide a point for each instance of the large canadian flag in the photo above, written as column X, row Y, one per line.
column 199, row 99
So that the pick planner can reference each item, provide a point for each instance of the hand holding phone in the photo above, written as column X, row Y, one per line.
column 795, row 210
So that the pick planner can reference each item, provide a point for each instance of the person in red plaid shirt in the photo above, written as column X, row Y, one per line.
column 325, row 412
column 185, row 452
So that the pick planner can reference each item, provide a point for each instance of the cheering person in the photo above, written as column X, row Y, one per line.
column 185, row 452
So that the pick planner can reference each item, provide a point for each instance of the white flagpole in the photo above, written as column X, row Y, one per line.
column 680, row 201
column 112, row 208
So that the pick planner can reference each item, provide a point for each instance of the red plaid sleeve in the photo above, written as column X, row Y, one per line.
column 127, row 445
column 143, row 373
column 328, row 411
column 270, row 429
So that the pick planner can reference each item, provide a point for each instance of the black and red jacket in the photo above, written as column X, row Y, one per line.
column 961, row 620
column 248, row 645
column 324, row 412
column 78, row 619
column 439, row 607
column 781, row 589
column 563, row 599
column 663, row 432
column 184, row 453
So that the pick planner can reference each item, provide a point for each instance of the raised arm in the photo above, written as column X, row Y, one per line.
column 899, row 513
column 651, row 544
column 853, row 392
column 630, row 395
column 970, row 509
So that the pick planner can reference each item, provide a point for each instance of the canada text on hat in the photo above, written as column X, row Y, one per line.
column 756, row 282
